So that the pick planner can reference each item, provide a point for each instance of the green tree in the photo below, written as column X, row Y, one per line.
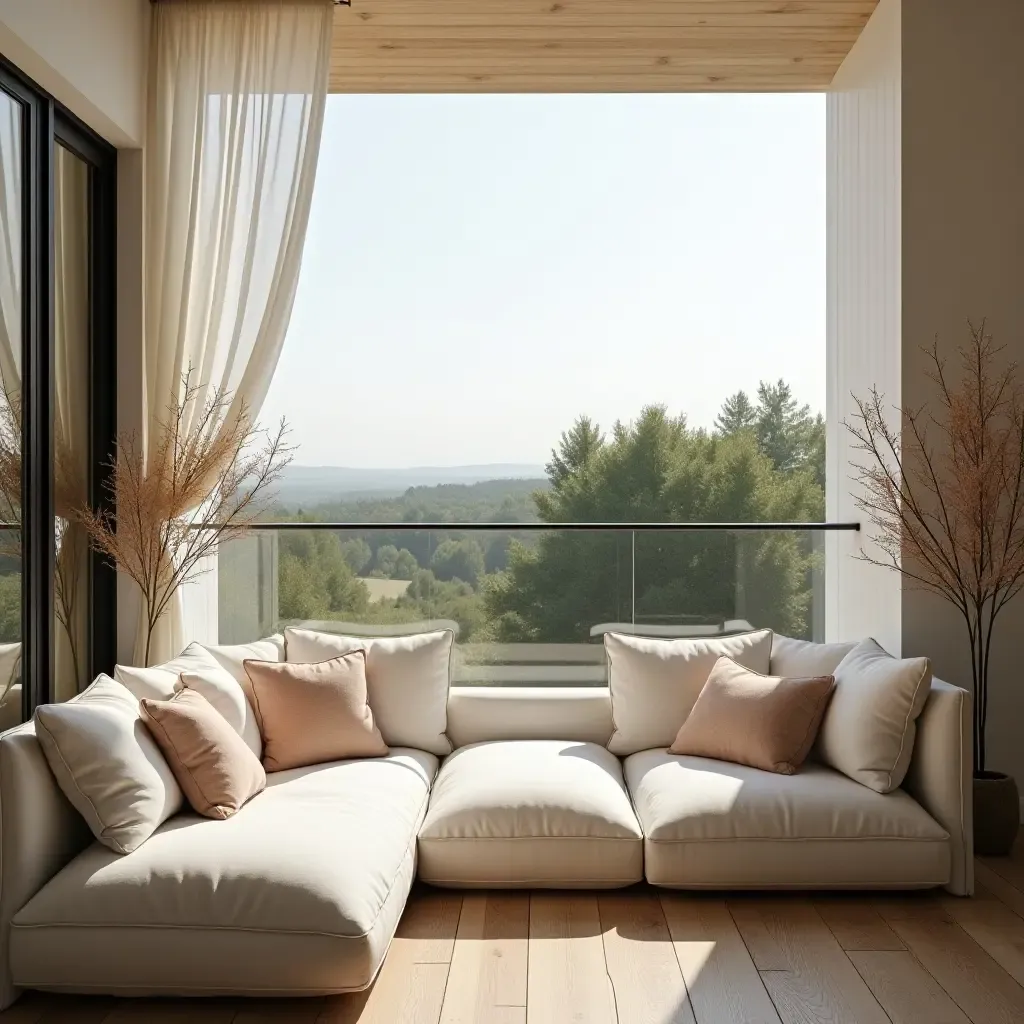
column 314, row 579
column 385, row 561
column 658, row 470
column 738, row 413
column 458, row 560
column 357, row 553
column 784, row 428
column 10, row 607
column 405, row 565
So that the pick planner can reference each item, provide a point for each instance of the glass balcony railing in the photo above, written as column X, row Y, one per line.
column 529, row 603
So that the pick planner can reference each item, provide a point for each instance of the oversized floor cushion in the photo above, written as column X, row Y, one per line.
column 299, row 893
column 531, row 813
column 712, row 824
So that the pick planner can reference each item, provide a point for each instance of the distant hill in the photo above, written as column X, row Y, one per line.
column 310, row 485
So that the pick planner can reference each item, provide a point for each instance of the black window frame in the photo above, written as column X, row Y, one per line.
column 46, row 124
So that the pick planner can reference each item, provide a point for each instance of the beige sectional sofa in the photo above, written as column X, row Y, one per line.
column 302, row 890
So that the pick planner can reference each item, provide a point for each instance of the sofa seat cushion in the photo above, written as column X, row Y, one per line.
column 300, row 892
column 719, row 825
column 531, row 813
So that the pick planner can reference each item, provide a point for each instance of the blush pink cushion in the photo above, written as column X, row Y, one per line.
column 310, row 714
column 767, row 722
column 212, row 764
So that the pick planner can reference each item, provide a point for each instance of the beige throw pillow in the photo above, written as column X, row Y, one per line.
column 791, row 657
column 407, row 679
column 217, row 772
column 869, row 728
column 767, row 722
column 108, row 765
column 200, row 670
column 654, row 683
column 313, row 713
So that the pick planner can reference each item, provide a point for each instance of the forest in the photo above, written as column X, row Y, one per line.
column 763, row 461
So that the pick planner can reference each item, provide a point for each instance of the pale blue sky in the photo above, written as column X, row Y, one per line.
column 479, row 270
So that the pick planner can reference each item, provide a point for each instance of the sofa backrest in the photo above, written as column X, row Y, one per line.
column 477, row 714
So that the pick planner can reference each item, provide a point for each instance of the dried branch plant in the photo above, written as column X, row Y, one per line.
column 945, row 495
column 206, row 480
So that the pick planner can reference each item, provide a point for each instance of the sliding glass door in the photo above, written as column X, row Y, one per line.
column 57, row 393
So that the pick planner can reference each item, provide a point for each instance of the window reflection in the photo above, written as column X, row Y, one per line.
column 11, row 193
column 71, row 420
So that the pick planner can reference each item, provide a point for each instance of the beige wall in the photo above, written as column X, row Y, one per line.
column 89, row 54
column 864, row 151
column 949, row 245
column 963, row 230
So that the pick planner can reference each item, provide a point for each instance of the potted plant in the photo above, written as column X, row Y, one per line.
column 945, row 498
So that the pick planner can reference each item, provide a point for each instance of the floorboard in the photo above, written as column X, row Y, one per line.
column 487, row 980
column 567, row 976
column 856, row 924
column 646, row 980
column 819, row 983
column 720, row 976
column 906, row 991
column 975, row 982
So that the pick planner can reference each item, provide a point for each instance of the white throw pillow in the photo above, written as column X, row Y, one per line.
column 231, row 656
column 198, row 669
column 10, row 667
column 869, row 728
column 108, row 765
column 654, row 683
column 407, row 681
column 804, row 659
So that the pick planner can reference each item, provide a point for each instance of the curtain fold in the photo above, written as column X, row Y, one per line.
column 236, row 104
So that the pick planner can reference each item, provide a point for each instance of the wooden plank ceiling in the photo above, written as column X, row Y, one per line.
column 593, row 45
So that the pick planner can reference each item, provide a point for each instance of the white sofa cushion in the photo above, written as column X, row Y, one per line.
column 869, row 727
column 545, row 813
column 108, row 765
column 197, row 668
column 714, row 824
column 407, row 680
column 792, row 657
column 299, row 893
column 654, row 683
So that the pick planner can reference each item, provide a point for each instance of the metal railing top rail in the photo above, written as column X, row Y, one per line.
column 531, row 527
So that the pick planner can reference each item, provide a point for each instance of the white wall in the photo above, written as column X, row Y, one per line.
column 89, row 54
column 963, row 256
column 926, row 229
column 863, row 347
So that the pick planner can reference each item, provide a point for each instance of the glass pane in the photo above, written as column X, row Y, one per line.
column 714, row 582
column 71, row 420
column 11, row 198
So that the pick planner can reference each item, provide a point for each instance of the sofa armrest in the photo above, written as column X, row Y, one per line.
column 40, row 832
column 941, row 774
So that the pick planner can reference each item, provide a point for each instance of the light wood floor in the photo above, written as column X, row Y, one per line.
column 642, row 956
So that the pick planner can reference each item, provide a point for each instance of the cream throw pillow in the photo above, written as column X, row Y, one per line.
column 231, row 657
column 791, row 657
column 313, row 713
column 407, row 678
column 654, row 683
column 869, row 728
column 108, row 765
column 767, row 722
column 217, row 772
column 198, row 669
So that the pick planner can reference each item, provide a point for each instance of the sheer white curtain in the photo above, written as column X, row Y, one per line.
column 236, row 104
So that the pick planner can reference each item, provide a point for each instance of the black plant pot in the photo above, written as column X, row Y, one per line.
column 996, row 813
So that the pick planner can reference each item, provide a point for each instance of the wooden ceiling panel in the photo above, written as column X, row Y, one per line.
column 593, row 45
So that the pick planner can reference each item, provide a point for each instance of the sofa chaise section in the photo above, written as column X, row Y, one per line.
column 299, row 893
